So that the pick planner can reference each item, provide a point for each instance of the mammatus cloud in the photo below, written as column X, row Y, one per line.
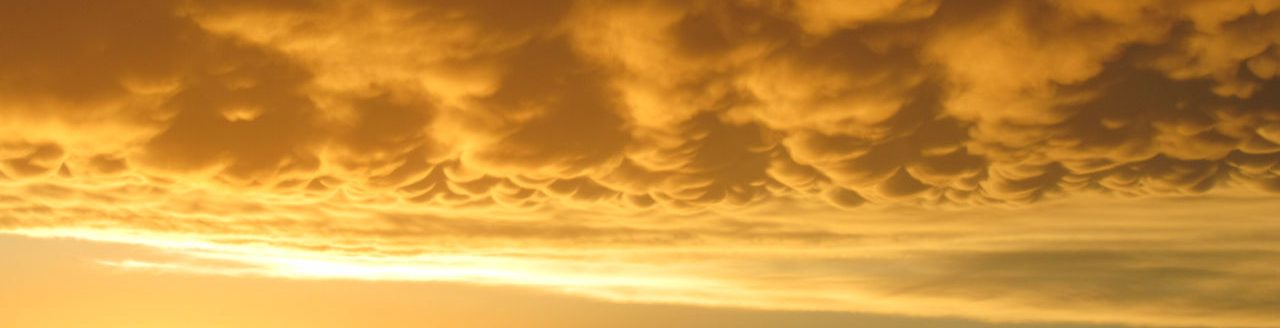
column 807, row 155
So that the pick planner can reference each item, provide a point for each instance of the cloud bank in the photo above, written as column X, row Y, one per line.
column 574, row 131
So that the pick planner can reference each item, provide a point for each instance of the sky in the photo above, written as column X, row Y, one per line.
column 578, row 163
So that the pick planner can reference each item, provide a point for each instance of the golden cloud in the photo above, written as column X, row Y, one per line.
column 775, row 154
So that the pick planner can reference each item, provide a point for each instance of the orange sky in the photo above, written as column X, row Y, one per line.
column 54, row 283
column 583, row 162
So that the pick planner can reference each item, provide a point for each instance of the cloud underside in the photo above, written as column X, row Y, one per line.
column 824, row 155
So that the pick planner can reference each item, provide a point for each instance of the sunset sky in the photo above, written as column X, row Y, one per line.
column 629, row 163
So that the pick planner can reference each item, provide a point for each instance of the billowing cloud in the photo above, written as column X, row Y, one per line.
column 754, row 146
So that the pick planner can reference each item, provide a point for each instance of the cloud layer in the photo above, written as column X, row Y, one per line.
column 400, row 129
column 637, row 105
